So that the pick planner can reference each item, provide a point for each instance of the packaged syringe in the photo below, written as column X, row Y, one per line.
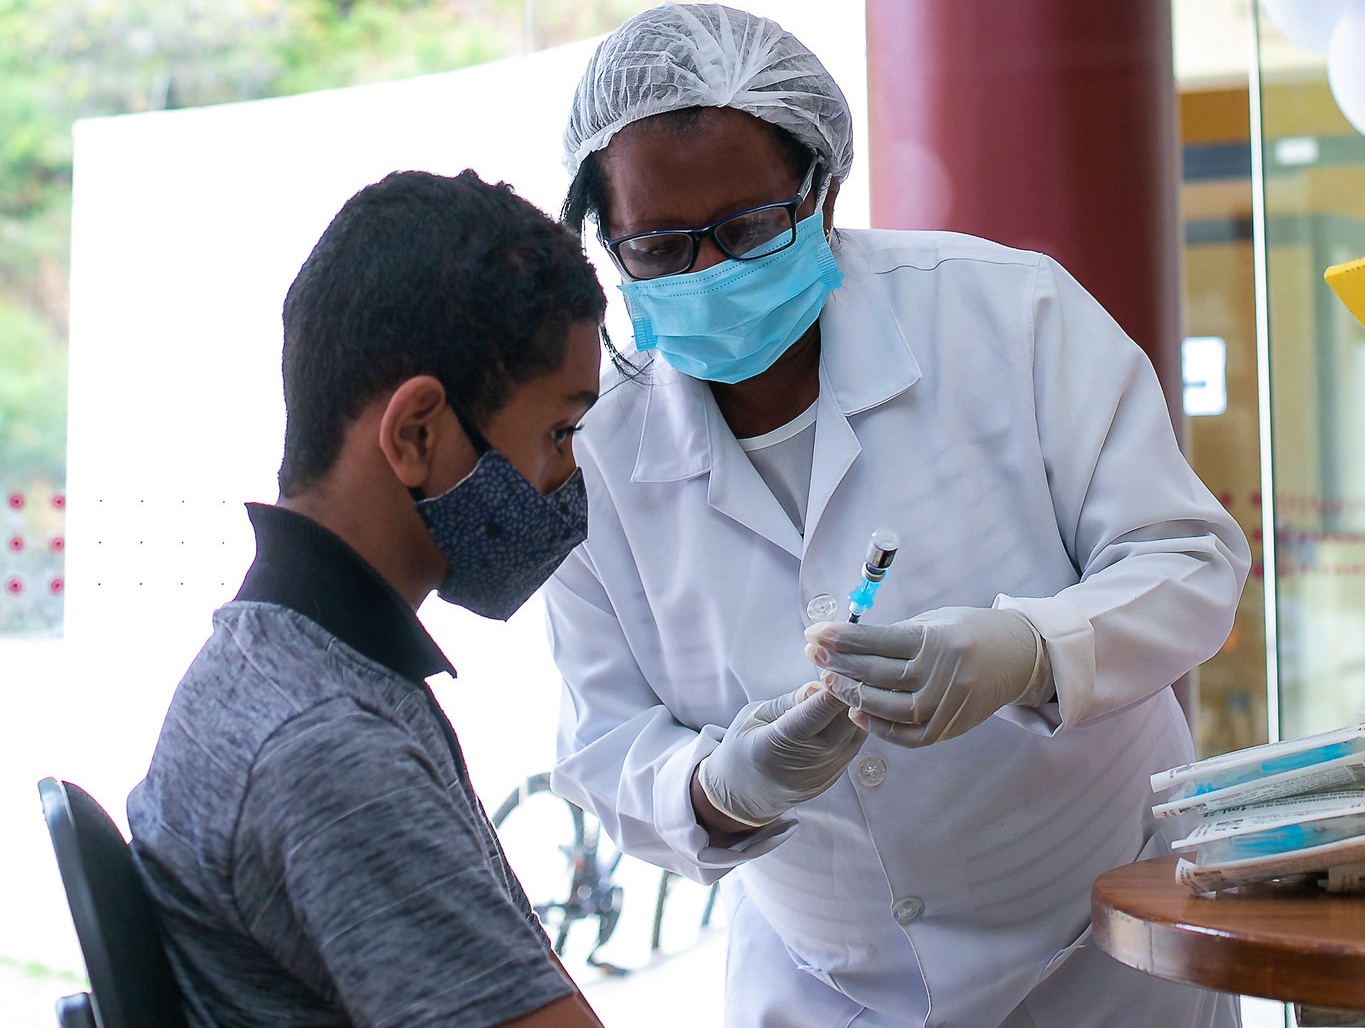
column 1259, row 774
column 1322, row 837
column 1279, row 828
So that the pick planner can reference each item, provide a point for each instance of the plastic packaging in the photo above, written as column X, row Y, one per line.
column 1301, row 823
column 1261, row 774
column 1319, row 836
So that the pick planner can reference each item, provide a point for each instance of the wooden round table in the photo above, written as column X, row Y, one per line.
column 1292, row 942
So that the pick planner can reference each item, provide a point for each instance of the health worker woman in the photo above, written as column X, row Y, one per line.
column 793, row 388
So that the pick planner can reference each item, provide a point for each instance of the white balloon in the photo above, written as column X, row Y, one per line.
column 1307, row 22
column 1346, row 64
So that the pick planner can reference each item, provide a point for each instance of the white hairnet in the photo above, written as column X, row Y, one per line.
column 706, row 55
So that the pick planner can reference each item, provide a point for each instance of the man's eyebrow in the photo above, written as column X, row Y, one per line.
column 587, row 397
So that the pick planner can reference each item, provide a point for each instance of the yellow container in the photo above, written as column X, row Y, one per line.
column 1348, row 282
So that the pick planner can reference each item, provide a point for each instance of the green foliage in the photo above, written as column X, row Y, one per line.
column 33, row 969
column 331, row 44
column 68, row 59
column 32, row 467
column 32, row 397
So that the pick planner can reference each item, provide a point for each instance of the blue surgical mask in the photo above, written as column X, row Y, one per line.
column 500, row 536
column 732, row 321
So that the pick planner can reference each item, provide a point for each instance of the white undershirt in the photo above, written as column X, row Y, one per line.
column 782, row 459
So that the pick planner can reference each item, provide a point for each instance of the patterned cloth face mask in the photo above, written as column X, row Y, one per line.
column 500, row 536
column 731, row 322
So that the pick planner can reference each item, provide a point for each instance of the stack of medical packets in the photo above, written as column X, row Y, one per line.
column 1284, row 809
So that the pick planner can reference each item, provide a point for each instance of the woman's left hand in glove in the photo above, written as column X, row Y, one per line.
column 934, row 676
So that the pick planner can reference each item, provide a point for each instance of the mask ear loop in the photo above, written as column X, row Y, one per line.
column 824, row 189
column 825, row 180
column 480, row 444
column 476, row 439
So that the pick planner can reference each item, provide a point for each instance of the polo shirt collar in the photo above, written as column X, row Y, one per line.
column 304, row 567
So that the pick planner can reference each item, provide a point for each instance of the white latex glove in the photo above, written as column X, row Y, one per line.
column 934, row 676
column 778, row 753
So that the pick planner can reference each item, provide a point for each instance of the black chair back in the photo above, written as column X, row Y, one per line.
column 131, row 981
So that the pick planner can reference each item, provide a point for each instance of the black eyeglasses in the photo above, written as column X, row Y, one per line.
column 744, row 236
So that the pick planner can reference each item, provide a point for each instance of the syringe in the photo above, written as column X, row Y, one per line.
column 881, row 551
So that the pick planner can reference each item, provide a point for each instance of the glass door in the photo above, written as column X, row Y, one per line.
column 1311, row 215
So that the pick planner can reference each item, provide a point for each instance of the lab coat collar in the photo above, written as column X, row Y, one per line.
column 864, row 353
column 738, row 491
column 865, row 360
column 684, row 436
column 675, row 440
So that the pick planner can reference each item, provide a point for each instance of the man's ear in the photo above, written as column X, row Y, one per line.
column 410, row 429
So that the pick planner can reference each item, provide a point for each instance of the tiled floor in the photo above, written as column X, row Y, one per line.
column 641, row 997
column 690, row 961
column 644, row 996
column 28, row 995
column 689, row 964
column 682, row 990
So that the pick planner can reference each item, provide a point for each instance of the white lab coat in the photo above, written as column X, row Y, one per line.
column 979, row 402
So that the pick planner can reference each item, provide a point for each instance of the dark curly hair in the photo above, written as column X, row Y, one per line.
column 423, row 274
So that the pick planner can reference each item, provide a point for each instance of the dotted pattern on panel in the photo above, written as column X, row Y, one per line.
column 182, row 546
column 33, row 559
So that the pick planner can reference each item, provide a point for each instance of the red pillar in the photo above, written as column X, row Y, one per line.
column 1044, row 124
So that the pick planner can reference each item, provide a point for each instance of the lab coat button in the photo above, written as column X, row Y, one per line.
column 822, row 607
column 907, row 911
column 871, row 771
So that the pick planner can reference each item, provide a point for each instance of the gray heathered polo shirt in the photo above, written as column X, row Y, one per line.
column 308, row 831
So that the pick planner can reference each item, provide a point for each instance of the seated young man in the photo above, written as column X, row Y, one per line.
column 307, row 826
